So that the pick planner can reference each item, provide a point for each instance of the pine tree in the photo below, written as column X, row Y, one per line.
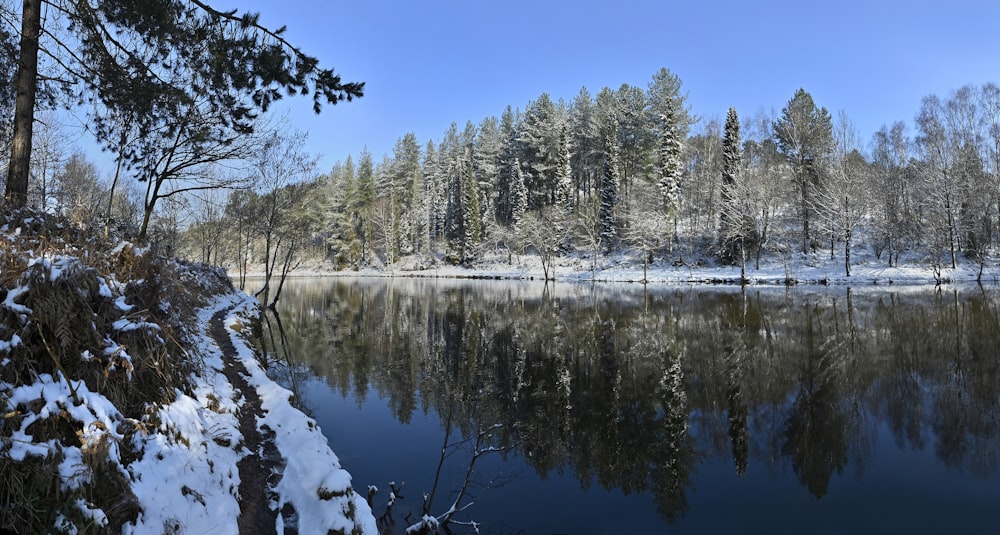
column 731, row 237
column 487, row 161
column 610, row 183
column 538, row 136
column 671, row 166
column 805, row 136
column 434, row 178
column 503, row 204
column 426, row 224
column 135, row 60
column 407, row 178
column 564, row 176
column 586, row 143
column 365, row 202
column 518, row 195
column 471, row 221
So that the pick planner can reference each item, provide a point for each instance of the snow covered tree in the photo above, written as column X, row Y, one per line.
column 610, row 184
column 648, row 230
column 364, row 203
column 671, row 167
column 343, row 221
column 805, row 136
column 538, row 136
column 471, row 218
column 848, row 196
column 47, row 156
column 518, row 194
column 386, row 210
column 77, row 192
column 434, row 178
column 731, row 236
column 408, row 181
column 587, row 145
column 663, row 97
column 764, row 188
column 487, row 161
column 564, row 176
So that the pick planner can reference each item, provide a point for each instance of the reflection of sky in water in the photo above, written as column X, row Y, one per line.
column 376, row 449
column 896, row 488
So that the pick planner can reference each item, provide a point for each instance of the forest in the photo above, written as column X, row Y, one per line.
column 634, row 170
column 629, row 171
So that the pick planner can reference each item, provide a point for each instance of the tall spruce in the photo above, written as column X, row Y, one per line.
column 471, row 221
column 518, row 194
column 671, row 166
column 731, row 236
column 564, row 176
column 609, row 194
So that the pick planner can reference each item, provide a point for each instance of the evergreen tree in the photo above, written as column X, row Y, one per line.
column 671, row 167
column 518, row 195
column 487, row 161
column 538, row 136
column 455, row 212
column 663, row 97
column 364, row 203
column 636, row 140
column 434, row 192
column 427, row 199
column 731, row 236
column 587, row 145
column 343, row 218
column 507, row 152
column 610, row 183
column 805, row 136
column 471, row 218
column 564, row 176
column 408, row 178
column 136, row 60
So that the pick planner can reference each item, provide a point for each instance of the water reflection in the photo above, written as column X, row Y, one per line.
column 634, row 390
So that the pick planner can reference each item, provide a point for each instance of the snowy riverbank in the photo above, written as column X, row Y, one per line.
column 190, row 477
column 133, row 400
column 626, row 268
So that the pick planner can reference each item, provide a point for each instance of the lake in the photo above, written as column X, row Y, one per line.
column 578, row 408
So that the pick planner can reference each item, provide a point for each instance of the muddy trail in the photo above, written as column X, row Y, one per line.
column 260, row 470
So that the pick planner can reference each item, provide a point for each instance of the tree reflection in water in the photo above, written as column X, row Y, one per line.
column 634, row 389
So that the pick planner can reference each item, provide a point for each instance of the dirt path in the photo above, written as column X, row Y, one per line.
column 259, row 469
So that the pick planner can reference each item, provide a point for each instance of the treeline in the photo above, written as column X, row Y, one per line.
column 624, row 171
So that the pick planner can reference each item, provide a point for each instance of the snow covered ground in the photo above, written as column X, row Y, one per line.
column 627, row 267
column 190, row 480
column 102, row 428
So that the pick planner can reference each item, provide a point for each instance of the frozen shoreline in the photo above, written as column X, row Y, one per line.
column 623, row 269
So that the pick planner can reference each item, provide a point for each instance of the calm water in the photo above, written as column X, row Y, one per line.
column 616, row 410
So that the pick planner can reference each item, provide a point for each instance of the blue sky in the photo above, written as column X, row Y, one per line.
column 428, row 64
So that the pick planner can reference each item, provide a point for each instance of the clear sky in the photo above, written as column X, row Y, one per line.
column 428, row 64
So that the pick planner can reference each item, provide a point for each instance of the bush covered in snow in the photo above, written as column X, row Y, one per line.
column 92, row 341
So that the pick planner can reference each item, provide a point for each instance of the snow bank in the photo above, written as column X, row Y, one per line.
column 312, row 481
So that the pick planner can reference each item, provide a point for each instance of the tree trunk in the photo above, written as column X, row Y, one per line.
column 16, row 193
column 847, row 252
column 147, row 214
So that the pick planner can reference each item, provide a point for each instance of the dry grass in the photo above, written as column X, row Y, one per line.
column 69, row 330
